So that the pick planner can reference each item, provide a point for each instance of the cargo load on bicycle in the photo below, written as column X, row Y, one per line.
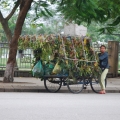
column 64, row 56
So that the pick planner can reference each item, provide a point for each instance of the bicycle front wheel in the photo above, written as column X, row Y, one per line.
column 53, row 84
column 95, row 84
column 75, row 86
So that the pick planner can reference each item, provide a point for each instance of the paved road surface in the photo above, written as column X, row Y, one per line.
column 59, row 106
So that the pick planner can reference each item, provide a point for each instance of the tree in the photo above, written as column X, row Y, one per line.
column 91, row 10
column 72, row 10
column 13, row 38
column 24, row 7
column 82, row 10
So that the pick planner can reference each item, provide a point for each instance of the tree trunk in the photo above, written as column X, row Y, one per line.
column 8, row 33
column 9, row 72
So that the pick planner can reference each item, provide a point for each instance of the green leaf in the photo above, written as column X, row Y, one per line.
column 35, row 19
column 52, row 1
column 48, row 12
column 61, row 2
column 106, row 30
column 43, row 13
column 33, row 25
column 116, row 21
column 44, row 5
column 39, row 25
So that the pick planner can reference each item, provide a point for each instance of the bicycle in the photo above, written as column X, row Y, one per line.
column 76, row 86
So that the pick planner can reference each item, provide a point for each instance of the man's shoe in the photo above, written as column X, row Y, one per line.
column 102, row 92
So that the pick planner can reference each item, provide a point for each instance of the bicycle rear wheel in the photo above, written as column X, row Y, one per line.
column 75, row 86
column 52, row 84
column 95, row 84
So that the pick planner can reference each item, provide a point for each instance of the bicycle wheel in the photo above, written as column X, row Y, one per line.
column 95, row 84
column 52, row 84
column 75, row 86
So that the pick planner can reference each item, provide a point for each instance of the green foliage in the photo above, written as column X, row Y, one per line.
column 98, row 32
column 77, row 11
column 107, row 30
column 116, row 21
column 82, row 10
column 42, row 9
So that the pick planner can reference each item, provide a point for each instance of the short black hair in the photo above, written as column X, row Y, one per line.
column 103, row 46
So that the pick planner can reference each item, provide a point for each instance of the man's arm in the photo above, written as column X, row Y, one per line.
column 105, row 55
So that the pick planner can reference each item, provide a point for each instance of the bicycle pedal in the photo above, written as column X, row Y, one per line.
column 84, row 87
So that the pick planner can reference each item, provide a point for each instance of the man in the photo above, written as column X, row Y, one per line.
column 103, row 59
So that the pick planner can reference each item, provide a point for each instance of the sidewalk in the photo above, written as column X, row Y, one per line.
column 25, row 84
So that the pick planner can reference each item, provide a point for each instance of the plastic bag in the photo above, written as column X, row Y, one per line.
column 38, row 70
column 57, row 69
column 48, row 68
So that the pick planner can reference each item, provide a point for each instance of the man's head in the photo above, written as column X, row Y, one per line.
column 102, row 48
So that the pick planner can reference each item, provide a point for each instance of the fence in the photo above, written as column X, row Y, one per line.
column 23, row 58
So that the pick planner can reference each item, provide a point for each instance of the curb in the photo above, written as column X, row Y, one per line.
column 45, row 91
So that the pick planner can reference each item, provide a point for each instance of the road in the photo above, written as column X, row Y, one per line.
column 59, row 106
